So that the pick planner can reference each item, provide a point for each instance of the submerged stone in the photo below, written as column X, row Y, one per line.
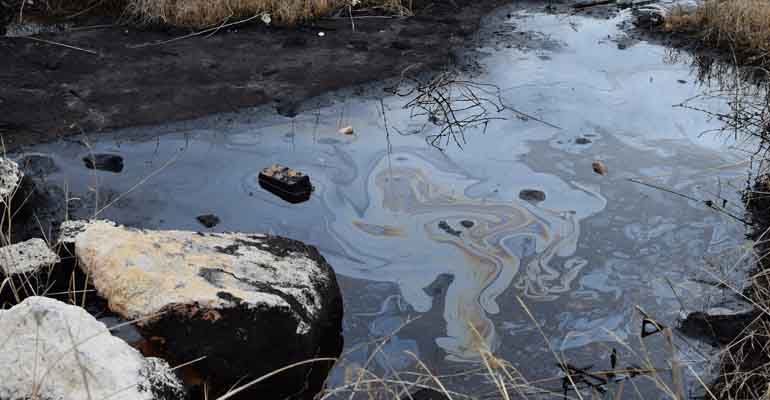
column 38, row 165
column 104, row 162
column 249, row 303
column 208, row 220
column 718, row 328
column 53, row 350
column 532, row 195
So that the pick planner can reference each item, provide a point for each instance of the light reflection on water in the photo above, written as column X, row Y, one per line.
column 415, row 231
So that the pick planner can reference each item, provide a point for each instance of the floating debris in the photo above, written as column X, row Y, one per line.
column 599, row 168
column 286, row 183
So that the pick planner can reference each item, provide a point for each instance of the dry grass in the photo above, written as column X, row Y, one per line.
column 205, row 13
column 739, row 25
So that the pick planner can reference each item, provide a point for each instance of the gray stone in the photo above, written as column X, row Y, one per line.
column 10, row 178
column 26, row 257
column 234, row 298
column 52, row 350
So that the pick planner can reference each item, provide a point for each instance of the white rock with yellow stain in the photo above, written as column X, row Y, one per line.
column 143, row 272
column 52, row 350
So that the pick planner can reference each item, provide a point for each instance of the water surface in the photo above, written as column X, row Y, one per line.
column 413, row 231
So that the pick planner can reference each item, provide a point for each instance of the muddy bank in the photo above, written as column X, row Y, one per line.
column 47, row 91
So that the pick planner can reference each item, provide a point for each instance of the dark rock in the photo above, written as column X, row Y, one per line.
column 467, row 224
column 208, row 220
column 444, row 226
column 104, row 162
column 247, row 303
column 582, row 140
column 717, row 329
column 38, row 165
column 440, row 285
column 401, row 45
column 286, row 183
column 532, row 195
column 288, row 109
column 294, row 41
column 360, row 45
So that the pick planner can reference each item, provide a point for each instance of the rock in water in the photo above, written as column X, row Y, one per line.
column 532, row 195
column 104, row 162
column 286, row 183
column 59, row 351
column 249, row 303
column 38, row 165
column 208, row 220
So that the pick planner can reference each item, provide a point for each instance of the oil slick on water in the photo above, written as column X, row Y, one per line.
column 512, row 242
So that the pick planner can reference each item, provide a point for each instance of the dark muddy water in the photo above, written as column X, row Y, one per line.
column 447, row 236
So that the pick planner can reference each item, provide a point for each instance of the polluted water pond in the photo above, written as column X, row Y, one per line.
column 512, row 244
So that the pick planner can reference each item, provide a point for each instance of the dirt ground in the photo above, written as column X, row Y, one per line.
column 47, row 90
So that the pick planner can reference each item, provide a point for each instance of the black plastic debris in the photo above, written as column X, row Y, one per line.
column 104, row 162
column 286, row 183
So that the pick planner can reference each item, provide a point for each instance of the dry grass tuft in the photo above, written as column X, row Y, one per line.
column 205, row 13
column 740, row 25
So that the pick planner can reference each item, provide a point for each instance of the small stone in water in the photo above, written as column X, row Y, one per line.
column 467, row 224
column 448, row 229
column 104, row 162
column 348, row 130
column 582, row 140
column 532, row 195
column 208, row 220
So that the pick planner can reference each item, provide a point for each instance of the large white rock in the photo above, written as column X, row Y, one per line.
column 232, row 297
column 51, row 350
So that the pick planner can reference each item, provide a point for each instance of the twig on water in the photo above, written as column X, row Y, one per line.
column 51, row 42
column 708, row 203
column 194, row 34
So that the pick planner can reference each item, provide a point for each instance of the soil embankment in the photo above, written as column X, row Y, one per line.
column 118, row 80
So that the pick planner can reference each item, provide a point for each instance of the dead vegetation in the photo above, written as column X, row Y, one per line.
column 208, row 13
column 744, row 369
column 739, row 26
